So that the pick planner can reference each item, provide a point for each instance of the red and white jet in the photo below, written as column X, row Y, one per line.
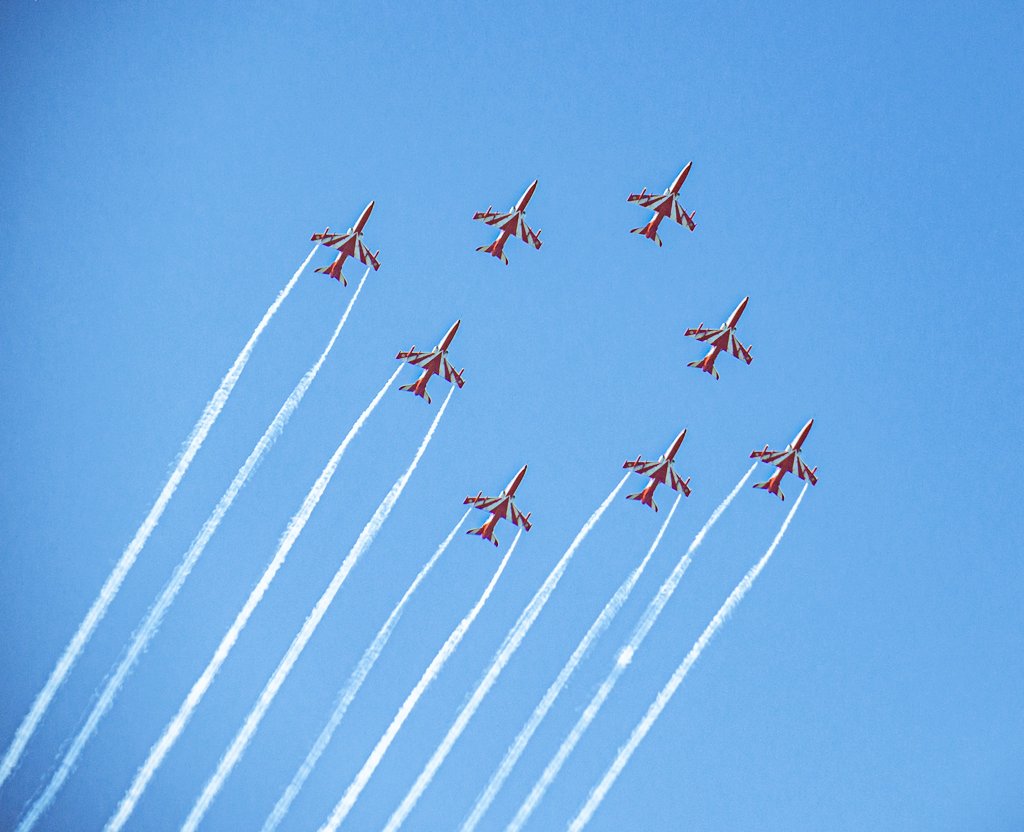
column 787, row 461
column 499, row 507
column 511, row 224
column 349, row 244
column 434, row 363
column 662, row 471
column 663, row 205
column 722, row 339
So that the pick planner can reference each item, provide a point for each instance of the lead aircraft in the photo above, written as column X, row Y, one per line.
column 787, row 461
column 722, row 339
column 434, row 363
column 349, row 244
column 511, row 224
column 500, row 507
column 660, row 472
column 664, row 205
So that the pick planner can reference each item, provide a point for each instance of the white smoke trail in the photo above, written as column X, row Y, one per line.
column 601, row 623
column 643, row 627
column 124, row 564
column 665, row 694
column 177, row 725
column 280, row 674
column 351, row 795
column 151, row 623
column 355, row 682
column 508, row 647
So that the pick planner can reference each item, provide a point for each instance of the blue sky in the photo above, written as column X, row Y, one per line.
column 856, row 172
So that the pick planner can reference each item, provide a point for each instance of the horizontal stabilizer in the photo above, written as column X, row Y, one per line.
column 706, row 366
column 417, row 389
column 772, row 487
column 494, row 250
column 648, row 232
column 485, row 532
column 333, row 271
column 645, row 497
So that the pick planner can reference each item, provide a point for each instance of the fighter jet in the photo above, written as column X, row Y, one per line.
column 664, row 205
column 511, row 224
column 662, row 471
column 787, row 461
column 434, row 363
column 499, row 507
column 721, row 339
column 349, row 244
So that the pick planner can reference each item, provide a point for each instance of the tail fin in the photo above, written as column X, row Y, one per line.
column 649, row 231
column 772, row 487
column 418, row 388
column 707, row 364
column 495, row 250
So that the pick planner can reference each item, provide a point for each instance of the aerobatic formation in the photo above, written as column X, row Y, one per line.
column 429, row 363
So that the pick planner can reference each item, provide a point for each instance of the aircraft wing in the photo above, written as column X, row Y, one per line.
column 502, row 507
column 336, row 241
column 665, row 204
column 680, row 216
column 497, row 218
column 805, row 472
column 677, row 483
column 527, row 234
column 645, row 200
column 722, row 338
column 771, row 457
column 788, row 460
column 417, row 359
column 512, row 223
column 450, row 373
column 518, row 518
column 422, row 359
column 365, row 256
column 641, row 466
column 481, row 502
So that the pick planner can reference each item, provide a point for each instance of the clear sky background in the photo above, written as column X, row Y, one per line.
column 857, row 172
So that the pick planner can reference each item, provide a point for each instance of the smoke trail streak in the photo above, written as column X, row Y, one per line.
column 622, row 661
column 601, row 623
column 151, row 623
column 280, row 674
column 177, row 725
column 665, row 694
column 508, row 647
column 124, row 564
column 355, row 682
column 351, row 795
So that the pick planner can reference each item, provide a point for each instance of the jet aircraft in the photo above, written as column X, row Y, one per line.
column 662, row 471
column 349, row 244
column 721, row 339
column 511, row 224
column 787, row 461
column 434, row 363
column 502, row 506
column 664, row 205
